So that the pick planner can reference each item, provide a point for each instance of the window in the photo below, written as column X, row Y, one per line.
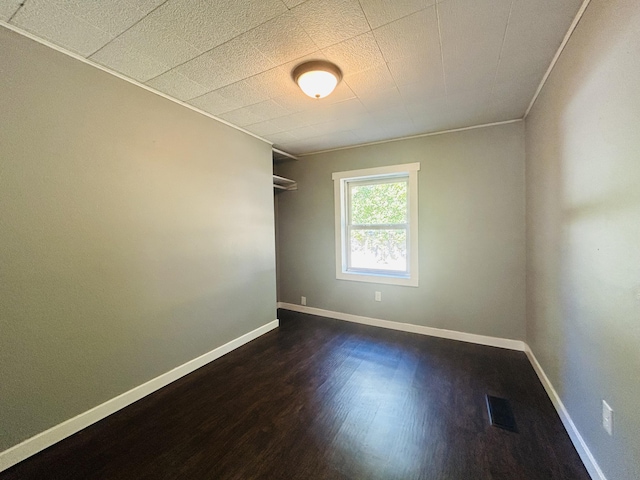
column 377, row 224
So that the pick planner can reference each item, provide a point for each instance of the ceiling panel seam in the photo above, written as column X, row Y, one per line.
column 504, row 38
column 126, row 30
column 444, row 73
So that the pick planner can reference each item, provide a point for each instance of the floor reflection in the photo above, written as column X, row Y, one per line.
column 372, row 406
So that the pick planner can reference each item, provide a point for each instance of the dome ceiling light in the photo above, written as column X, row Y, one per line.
column 317, row 78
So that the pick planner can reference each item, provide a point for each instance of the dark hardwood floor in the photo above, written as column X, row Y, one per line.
column 324, row 399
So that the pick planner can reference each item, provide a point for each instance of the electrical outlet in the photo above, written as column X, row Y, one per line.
column 378, row 296
column 303, row 300
column 607, row 417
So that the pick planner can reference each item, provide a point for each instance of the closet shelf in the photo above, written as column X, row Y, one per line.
column 281, row 183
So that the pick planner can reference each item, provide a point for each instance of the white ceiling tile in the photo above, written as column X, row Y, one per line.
column 426, row 76
column 472, row 36
column 274, row 83
column 8, row 8
column 234, row 58
column 214, row 103
column 511, row 98
column 355, row 54
column 290, row 66
column 534, row 33
column 289, row 122
column 382, row 100
column 293, row 3
column 428, row 113
column 149, row 5
column 119, row 56
column 326, row 142
column 178, row 86
column 264, row 128
column 338, row 113
column 369, row 132
column 241, row 117
column 233, row 61
column 280, row 138
column 205, row 71
column 399, row 129
column 315, row 130
column 331, row 21
column 305, row 132
column 473, row 23
column 114, row 16
column 413, row 93
column 268, row 110
column 281, row 39
column 155, row 41
column 381, row 12
column 242, row 93
column 472, row 103
column 518, row 66
column 476, row 73
column 206, row 24
column 50, row 22
column 541, row 12
column 371, row 81
column 416, row 34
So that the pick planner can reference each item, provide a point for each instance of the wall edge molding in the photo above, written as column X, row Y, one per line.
column 556, row 57
column 411, row 328
column 411, row 137
column 53, row 435
column 580, row 445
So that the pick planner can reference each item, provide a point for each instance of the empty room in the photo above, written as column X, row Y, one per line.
column 320, row 239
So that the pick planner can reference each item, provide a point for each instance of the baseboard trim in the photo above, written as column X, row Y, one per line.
column 588, row 459
column 39, row 442
column 408, row 327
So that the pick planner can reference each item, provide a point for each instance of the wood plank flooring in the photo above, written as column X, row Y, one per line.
column 324, row 399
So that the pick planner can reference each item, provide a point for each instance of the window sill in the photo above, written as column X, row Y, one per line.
column 378, row 278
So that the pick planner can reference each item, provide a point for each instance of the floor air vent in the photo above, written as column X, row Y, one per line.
column 500, row 413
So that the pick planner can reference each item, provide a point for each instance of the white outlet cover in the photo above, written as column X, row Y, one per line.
column 378, row 296
column 607, row 417
column 303, row 300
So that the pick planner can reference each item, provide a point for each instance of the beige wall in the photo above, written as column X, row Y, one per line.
column 583, row 224
column 136, row 235
column 472, row 230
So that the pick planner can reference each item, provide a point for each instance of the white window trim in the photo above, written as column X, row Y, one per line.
column 339, row 180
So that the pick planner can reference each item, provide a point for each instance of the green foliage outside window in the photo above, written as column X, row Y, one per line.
column 379, row 204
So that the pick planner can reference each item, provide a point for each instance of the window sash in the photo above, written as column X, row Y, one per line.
column 401, row 178
column 344, row 228
column 376, row 271
column 350, row 226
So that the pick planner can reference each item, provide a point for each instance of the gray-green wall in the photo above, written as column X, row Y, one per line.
column 471, row 230
column 135, row 236
column 583, row 231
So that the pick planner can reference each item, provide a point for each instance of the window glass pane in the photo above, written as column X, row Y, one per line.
column 379, row 249
column 381, row 203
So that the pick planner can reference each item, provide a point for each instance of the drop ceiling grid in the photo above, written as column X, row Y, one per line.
column 409, row 67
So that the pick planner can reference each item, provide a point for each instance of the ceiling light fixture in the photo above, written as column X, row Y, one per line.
column 317, row 78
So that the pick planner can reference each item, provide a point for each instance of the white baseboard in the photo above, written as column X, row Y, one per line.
column 53, row 435
column 578, row 442
column 408, row 327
